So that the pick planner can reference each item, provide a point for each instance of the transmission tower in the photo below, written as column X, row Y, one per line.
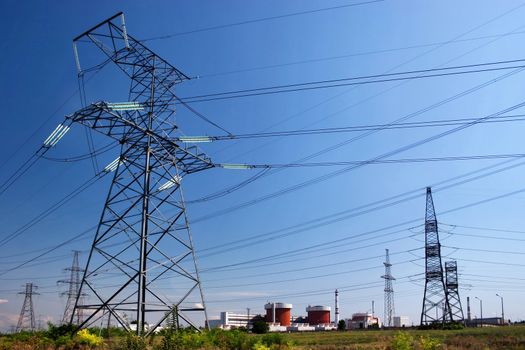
column 389, row 293
column 70, row 313
column 26, row 321
column 435, row 292
column 452, row 286
column 142, row 259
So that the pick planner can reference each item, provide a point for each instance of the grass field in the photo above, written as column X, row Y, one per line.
column 512, row 337
column 489, row 338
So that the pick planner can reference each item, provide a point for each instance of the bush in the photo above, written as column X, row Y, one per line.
column 403, row 341
column 260, row 327
column 84, row 337
column 341, row 325
column 55, row 332
column 131, row 342
column 427, row 343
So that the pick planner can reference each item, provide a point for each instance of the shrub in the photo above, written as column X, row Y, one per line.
column 402, row 341
column 427, row 343
column 84, row 337
column 131, row 342
column 341, row 325
column 260, row 327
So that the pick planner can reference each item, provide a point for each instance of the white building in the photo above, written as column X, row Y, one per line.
column 401, row 321
column 230, row 320
column 362, row 320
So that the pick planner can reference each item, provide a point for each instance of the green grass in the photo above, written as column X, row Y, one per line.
column 489, row 338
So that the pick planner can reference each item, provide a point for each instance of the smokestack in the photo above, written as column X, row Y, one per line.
column 273, row 306
column 336, row 307
column 468, row 309
column 373, row 311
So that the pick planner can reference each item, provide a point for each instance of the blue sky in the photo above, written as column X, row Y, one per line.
column 39, row 77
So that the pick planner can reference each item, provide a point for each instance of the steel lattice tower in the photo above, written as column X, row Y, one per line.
column 389, row 293
column 26, row 321
column 70, row 313
column 142, row 259
column 435, row 297
column 452, row 288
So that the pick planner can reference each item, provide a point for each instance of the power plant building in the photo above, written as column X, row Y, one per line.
column 401, row 321
column 318, row 314
column 280, row 313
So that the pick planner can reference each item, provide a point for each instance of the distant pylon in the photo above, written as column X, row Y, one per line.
column 70, row 313
column 389, row 293
column 26, row 321
column 452, row 286
column 435, row 292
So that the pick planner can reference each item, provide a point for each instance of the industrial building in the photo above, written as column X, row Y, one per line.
column 278, row 314
column 362, row 320
column 401, row 321
column 230, row 320
column 318, row 314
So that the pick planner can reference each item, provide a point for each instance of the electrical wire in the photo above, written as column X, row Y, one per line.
column 263, row 19
column 363, row 209
column 385, row 161
column 352, row 81
column 336, row 173
column 373, row 127
column 356, row 54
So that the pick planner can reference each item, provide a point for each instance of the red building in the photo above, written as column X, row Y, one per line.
column 318, row 314
column 278, row 313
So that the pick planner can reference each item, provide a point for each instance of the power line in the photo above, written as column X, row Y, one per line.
column 330, row 175
column 263, row 19
column 356, row 128
column 384, row 161
column 352, row 81
column 356, row 54
column 362, row 209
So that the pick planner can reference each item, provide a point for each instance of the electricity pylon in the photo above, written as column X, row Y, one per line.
column 435, row 296
column 26, row 320
column 389, row 293
column 452, row 286
column 75, row 316
column 142, row 259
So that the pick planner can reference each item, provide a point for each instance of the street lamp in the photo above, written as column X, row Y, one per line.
column 480, row 309
column 502, row 313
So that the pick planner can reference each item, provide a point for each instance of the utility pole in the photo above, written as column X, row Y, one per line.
column 452, row 291
column 70, row 314
column 26, row 320
column 435, row 291
column 389, row 292
column 480, row 310
column 502, row 312
column 468, row 310
column 337, row 307
column 143, row 237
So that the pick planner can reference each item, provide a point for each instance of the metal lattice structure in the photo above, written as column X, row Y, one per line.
column 389, row 293
column 26, row 320
column 452, row 290
column 436, row 307
column 70, row 314
column 142, row 263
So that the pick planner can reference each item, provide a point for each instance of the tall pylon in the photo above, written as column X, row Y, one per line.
column 26, row 320
column 389, row 293
column 142, row 261
column 436, row 307
column 75, row 316
column 452, row 286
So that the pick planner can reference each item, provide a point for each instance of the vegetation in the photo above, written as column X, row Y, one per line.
column 65, row 338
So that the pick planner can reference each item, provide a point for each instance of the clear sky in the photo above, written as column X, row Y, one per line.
column 480, row 225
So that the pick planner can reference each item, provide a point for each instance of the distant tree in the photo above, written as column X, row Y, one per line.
column 341, row 325
column 260, row 327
